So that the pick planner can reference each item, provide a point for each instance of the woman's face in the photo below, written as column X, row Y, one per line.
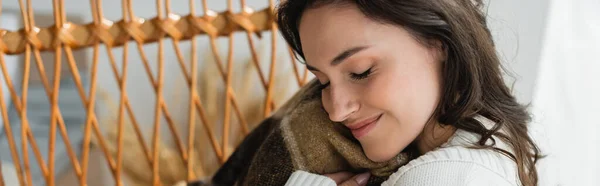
column 378, row 80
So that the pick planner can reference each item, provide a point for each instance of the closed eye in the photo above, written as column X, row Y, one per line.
column 360, row 76
column 353, row 76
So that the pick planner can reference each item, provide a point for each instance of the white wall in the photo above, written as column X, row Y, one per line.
column 518, row 28
column 566, row 102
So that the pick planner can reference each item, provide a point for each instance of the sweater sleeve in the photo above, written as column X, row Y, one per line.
column 449, row 173
column 302, row 178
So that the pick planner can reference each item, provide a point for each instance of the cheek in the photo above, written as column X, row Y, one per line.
column 409, row 96
column 382, row 91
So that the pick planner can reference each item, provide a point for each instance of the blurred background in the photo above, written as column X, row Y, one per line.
column 550, row 48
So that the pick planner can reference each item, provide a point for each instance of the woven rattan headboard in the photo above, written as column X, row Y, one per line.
column 67, row 37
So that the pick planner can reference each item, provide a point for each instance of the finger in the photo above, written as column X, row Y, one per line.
column 357, row 180
column 340, row 177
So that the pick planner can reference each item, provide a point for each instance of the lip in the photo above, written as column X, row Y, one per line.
column 363, row 127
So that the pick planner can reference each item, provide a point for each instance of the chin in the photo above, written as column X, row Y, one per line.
column 380, row 154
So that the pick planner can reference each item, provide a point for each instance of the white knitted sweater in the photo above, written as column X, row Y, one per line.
column 451, row 164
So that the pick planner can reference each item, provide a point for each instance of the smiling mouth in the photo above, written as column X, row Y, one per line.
column 362, row 128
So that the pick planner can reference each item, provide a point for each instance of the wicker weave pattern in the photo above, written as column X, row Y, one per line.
column 65, row 36
column 115, row 34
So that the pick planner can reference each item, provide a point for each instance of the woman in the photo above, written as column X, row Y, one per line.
column 414, row 73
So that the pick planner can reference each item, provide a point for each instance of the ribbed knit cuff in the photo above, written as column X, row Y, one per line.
column 302, row 178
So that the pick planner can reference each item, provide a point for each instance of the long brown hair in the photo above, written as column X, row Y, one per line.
column 472, row 72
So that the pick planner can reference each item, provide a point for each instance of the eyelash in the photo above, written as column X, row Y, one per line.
column 353, row 76
column 361, row 75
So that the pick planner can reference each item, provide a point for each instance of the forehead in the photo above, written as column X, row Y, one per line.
column 328, row 30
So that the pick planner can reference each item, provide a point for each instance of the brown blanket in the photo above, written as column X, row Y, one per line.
column 299, row 136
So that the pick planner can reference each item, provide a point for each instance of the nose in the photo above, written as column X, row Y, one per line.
column 339, row 104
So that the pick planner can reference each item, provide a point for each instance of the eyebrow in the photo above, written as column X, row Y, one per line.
column 341, row 57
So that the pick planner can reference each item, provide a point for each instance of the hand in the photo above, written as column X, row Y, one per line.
column 349, row 179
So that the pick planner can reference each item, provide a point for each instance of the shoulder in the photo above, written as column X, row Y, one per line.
column 456, row 164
